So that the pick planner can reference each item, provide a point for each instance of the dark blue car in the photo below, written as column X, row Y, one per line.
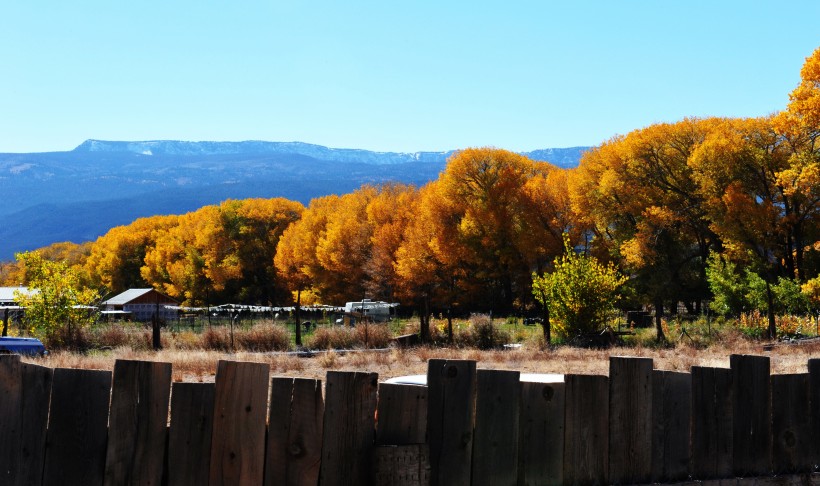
column 22, row 345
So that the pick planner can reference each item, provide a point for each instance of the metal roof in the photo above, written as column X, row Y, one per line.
column 127, row 296
column 7, row 293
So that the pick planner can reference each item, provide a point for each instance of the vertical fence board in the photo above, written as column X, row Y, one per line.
column 10, row 419
column 138, row 423
column 35, row 398
column 294, row 432
column 752, row 415
column 630, row 420
column 671, row 418
column 792, row 439
column 814, row 410
column 450, row 418
column 349, row 419
column 712, row 429
column 189, row 438
column 541, row 434
column 586, row 429
column 77, row 427
column 495, row 445
column 402, row 417
column 238, row 440
column 276, row 454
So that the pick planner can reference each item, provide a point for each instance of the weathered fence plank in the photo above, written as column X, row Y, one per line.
column 712, row 430
column 752, row 415
column 238, row 440
column 450, row 419
column 294, row 432
column 11, row 391
column 495, row 443
column 189, row 438
column 814, row 408
column 630, row 420
column 671, row 418
column 35, row 398
column 347, row 447
column 401, row 465
column 586, row 429
column 541, row 434
column 402, row 417
column 77, row 427
column 138, row 423
column 792, row 439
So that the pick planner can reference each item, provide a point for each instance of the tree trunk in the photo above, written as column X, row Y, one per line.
column 547, row 325
column 449, row 326
column 770, row 311
column 298, row 320
column 424, row 322
column 658, row 318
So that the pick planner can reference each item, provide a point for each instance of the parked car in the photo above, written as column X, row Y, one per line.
column 22, row 345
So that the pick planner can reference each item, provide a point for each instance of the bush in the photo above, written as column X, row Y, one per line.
column 482, row 333
column 377, row 335
column 339, row 337
column 263, row 337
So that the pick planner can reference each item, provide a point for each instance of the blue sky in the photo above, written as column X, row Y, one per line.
column 389, row 75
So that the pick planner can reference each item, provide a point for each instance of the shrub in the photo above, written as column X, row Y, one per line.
column 337, row 337
column 482, row 333
column 373, row 335
column 263, row 337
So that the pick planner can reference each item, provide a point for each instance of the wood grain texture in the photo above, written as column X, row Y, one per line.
column 35, row 400
column 630, row 420
column 401, row 465
column 138, row 423
column 189, row 437
column 402, row 414
column 541, row 434
column 11, row 392
column 671, row 419
column 77, row 428
column 495, row 446
column 752, row 415
column 791, row 427
column 451, row 397
column 586, row 429
column 712, row 429
column 240, row 411
column 349, row 423
column 294, row 432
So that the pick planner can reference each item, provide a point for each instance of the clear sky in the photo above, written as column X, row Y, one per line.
column 389, row 75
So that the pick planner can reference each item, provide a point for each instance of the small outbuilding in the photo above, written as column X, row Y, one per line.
column 142, row 305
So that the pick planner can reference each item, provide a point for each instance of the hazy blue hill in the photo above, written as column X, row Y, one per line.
column 81, row 194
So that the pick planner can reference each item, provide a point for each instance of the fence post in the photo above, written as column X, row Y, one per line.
column 814, row 411
column 36, row 395
column 712, row 429
column 586, row 429
column 238, row 440
column 138, row 422
column 294, row 432
column 495, row 446
column 671, row 420
column 792, row 440
column 349, row 425
column 752, row 415
column 630, row 420
column 10, row 419
column 541, row 434
column 77, row 427
column 450, row 419
column 189, row 439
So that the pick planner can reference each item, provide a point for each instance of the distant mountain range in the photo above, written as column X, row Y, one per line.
column 81, row 194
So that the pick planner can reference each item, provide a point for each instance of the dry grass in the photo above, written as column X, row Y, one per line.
column 199, row 365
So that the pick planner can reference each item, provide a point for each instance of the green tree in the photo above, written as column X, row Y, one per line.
column 54, row 304
column 580, row 292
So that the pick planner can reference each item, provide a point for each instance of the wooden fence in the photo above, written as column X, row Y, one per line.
column 467, row 427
